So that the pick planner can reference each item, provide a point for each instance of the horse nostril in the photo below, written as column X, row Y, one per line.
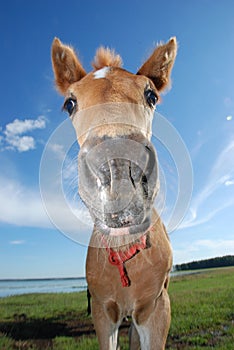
column 135, row 173
column 131, row 177
column 144, row 184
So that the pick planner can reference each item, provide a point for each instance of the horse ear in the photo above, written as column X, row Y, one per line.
column 159, row 65
column 66, row 65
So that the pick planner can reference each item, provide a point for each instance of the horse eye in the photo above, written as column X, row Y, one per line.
column 151, row 98
column 70, row 105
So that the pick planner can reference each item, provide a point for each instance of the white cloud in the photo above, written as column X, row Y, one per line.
column 202, row 249
column 221, row 175
column 17, row 242
column 13, row 135
column 215, row 244
column 229, row 183
column 19, row 127
column 22, row 205
column 22, row 144
column 58, row 150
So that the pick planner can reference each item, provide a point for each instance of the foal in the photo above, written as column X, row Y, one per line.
column 129, row 255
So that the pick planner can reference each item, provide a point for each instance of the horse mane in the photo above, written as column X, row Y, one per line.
column 105, row 57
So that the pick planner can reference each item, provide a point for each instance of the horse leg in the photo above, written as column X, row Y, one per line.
column 153, row 331
column 134, row 340
column 89, row 302
column 106, row 324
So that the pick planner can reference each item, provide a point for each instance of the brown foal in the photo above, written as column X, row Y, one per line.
column 129, row 255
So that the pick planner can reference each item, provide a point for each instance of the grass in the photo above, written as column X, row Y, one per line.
column 203, row 310
column 202, row 317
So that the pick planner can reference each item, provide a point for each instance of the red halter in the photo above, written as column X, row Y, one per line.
column 118, row 258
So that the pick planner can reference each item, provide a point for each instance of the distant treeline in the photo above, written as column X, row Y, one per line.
column 223, row 261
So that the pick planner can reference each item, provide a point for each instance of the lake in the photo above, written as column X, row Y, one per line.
column 58, row 285
column 53, row 285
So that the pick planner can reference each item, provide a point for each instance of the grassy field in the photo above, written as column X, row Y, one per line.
column 202, row 317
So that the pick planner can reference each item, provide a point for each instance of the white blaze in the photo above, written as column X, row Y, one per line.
column 101, row 73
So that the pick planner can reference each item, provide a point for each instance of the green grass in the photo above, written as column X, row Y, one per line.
column 202, row 317
column 202, row 310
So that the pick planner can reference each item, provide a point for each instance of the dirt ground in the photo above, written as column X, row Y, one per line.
column 40, row 333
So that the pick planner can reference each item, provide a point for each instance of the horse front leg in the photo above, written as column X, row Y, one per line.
column 153, row 330
column 106, row 324
column 134, row 340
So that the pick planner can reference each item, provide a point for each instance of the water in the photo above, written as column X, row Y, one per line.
column 66, row 285
column 57, row 285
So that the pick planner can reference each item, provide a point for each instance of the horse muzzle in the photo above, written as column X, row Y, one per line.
column 118, row 181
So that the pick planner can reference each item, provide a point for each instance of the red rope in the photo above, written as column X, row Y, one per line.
column 118, row 258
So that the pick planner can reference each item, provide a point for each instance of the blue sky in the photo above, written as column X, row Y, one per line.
column 200, row 106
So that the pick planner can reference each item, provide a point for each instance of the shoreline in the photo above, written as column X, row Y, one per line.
column 17, row 287
column 39, row 279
